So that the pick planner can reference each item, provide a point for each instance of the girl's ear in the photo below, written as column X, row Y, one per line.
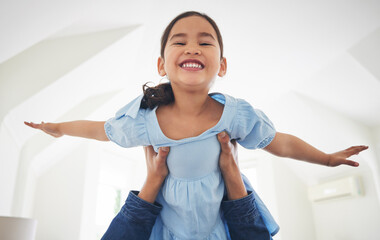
column 160, row 67
column 223, row 67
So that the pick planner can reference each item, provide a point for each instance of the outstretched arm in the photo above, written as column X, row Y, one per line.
column 81, row 128
column 286, row 145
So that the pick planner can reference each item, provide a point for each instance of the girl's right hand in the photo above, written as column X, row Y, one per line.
column 49, row 128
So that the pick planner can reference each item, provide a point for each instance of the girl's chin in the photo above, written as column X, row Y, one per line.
column 193, row 85
column 193, row 81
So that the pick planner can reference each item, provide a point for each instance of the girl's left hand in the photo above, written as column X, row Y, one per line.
column 338, row 158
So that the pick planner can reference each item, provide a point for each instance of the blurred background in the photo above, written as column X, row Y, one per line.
column 312, row 66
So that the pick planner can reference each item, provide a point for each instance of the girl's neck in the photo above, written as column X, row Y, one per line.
column 190, row 104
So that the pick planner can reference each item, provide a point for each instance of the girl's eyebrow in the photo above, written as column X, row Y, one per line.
column 201, row 34
column 178, row 35
column 205, row 34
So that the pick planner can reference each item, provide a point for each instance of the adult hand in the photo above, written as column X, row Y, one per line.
column 228, row 163
column 228, row 154
column 157, row 170
column 156, row 163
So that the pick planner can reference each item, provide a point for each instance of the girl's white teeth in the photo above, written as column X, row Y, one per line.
column 191, row 65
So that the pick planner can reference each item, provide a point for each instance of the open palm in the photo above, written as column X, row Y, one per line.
column 49, row 128
column 340, row 157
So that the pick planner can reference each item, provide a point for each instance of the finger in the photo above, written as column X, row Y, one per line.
column 33, row 125
column 149, row 152
column 356, row 150
column 145, row 150
column 234, row 151
column 224, row 141
column 351, row 163
column 233, row 145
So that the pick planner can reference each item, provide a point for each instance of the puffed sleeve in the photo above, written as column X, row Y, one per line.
column 252, row 128
column 127, row 128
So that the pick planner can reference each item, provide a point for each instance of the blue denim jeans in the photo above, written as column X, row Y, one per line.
column 137, row 217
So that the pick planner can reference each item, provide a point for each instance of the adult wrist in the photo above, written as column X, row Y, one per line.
column 150, row 189
column 234, row 183
column 155, row 181
column 230, row 168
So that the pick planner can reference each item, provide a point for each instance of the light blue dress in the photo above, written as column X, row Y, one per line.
column 192, row 192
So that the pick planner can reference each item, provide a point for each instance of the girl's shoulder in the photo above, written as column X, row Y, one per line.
column 131, row 109
column 230, row 101
column 128, row 127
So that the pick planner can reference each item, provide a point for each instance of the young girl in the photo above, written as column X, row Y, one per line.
column 183, row 115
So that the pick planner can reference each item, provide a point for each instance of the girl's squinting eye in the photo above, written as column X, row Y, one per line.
column 179, row 43
column 204, row 44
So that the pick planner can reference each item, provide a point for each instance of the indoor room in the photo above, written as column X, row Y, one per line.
column 313, row 68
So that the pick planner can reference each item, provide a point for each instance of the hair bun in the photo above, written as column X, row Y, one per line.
column 161, row 94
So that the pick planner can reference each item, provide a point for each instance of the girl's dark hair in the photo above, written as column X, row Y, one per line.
column 162, row 94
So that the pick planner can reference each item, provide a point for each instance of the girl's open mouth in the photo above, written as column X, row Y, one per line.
column 191, row 65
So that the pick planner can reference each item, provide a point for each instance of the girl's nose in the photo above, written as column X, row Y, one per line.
column 192, row 51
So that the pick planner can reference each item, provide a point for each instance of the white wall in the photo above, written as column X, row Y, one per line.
column 59, row 197
column 330, row 132
column 265, row 185
column 295, row 212
column 349, row 218
column 90, row 190
column 283, row 192
column 376, row 142
column 9, row 152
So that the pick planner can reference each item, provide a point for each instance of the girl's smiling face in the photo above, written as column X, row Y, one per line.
column 192, row 54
